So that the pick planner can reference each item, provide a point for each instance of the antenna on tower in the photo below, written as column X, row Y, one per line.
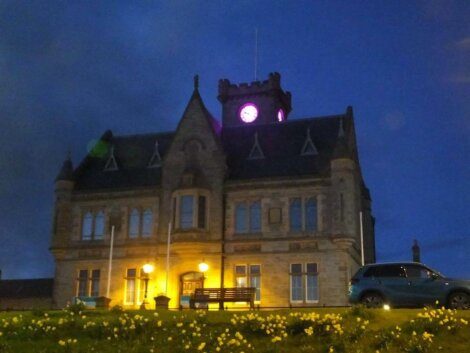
column 256, row 54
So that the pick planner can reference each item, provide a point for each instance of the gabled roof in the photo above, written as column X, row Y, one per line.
column 26, row 288
column 281, row 144
column 133, row 153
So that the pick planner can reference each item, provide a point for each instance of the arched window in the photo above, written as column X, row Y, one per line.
column 134, row 220
column 255, row 217
column 311, row 214
column 99, row 226
column 241, row 218
column 147, row 220
column 87, row 226
column 295, row 215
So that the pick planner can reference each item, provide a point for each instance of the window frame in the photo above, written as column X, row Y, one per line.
column 141, row 213
column 196, row 194
column 304, row 282
column 248, row 206
column 136, row 291
column 94, row 214
column 248, row 277
column 304, row 200
column 88, row 281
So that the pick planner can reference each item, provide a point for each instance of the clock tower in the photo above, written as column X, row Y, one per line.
column 260, row 102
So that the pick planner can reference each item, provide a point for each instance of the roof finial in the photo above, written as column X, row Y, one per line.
column 196, row 81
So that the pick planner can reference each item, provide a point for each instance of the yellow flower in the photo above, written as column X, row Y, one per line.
column 61, row 343
column 201, row 346
column 331, row 350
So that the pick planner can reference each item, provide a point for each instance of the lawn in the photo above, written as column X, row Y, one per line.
column 314, row 330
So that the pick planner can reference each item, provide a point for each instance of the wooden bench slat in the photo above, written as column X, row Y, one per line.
column 221, row 295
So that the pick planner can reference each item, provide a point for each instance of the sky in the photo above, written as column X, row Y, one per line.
column 69, row 70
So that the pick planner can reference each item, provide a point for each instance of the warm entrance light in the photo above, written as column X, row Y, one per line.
column 203, row 267
column 148, row 268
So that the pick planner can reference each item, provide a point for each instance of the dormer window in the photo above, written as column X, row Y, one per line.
column 111, row 164
column 155, row 160
column 256, row 151
column 308, row 149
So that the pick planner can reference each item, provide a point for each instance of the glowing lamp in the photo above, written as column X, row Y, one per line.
column 248, row 112
column 148, row 268
column 203, row 267
column 280, row 115
column 386, row 307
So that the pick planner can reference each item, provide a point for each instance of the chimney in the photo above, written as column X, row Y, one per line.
column 416, row 251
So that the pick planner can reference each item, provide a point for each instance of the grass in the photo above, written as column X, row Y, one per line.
column 310, row 330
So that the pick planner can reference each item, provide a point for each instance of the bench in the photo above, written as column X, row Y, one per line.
column 222, row 295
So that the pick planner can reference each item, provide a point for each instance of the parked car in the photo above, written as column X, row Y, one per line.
column 407, row 285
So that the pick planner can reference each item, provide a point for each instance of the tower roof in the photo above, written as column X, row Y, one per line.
column 66, row 172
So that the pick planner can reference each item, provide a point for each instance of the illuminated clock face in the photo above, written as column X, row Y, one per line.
column 248, row 112
column 280, row 115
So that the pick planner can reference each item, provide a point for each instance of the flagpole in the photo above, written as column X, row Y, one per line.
column 362, row 238
column 110, row 263
column 168, row 258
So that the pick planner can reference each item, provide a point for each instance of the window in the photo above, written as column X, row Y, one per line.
column 131, row 287
column 140, row 223
column 304, row 283
column 87, row 226
column 389, row 271
column 99, row 225
column 95, row 283
column 147, row 220
column 303, row 214
column 240, row 276
column 201, row 216
column 296, row 282
column 312, row 283
column 295, row 214
column 88, row 283
column 248, row 218
column 414, row 271
column 255, row 217
column 249, row 276
column 311, row 214
column 255, row 280
column 93, row 226
column 82, row 290
column 134, row 220
column 241, row 219
column 190, row 210
column 186, row 211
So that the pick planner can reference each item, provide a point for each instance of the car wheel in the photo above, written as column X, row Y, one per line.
column 459, row 300
column 372, row 300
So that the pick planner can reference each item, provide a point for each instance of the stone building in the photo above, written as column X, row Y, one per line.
column 265, row 201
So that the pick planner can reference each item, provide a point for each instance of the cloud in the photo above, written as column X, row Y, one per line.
column 459, row 78
column 394, row 121
column 463, row 44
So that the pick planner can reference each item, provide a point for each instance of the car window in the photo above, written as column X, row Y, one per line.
column 389, row 271
column 370, row 272
column 414, row 271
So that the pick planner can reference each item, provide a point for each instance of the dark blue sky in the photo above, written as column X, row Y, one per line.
column 70, row 70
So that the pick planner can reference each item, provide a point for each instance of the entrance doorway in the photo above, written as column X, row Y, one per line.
column 189, row 281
